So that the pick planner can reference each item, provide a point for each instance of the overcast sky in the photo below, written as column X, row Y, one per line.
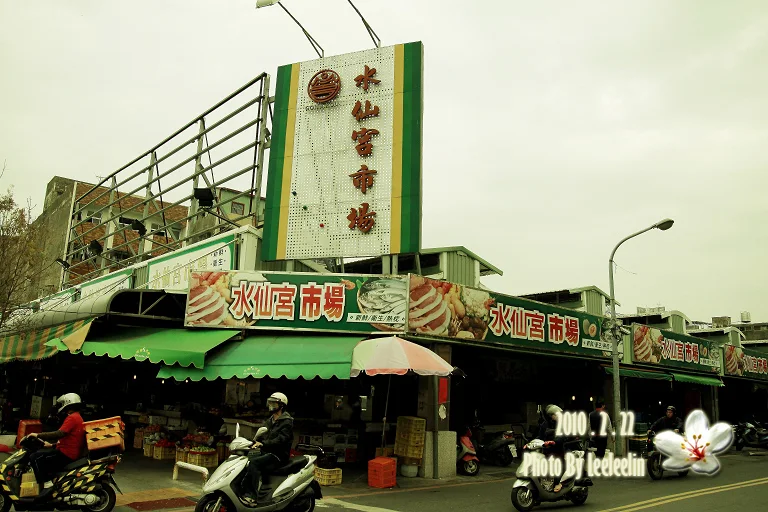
column 552, row 129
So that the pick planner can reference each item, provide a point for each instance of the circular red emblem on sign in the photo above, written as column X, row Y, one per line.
column 324, row 86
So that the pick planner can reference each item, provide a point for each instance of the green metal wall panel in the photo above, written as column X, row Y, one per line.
column 677, row 324
column 461, row 269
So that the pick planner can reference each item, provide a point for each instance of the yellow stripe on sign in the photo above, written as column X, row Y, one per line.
column 397, row 153
column 664, row 500
column 285, row 189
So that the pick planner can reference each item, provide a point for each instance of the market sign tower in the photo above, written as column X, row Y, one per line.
column 345, row 160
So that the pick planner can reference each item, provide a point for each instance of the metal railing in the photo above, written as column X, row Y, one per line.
column 238, row 136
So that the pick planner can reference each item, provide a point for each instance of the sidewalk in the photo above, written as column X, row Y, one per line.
column 148, row 484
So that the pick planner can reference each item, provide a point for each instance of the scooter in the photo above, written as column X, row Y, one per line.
column 82, row 485
column 528, row 491
column 501, row 450
column 467, row 461
column 655, row 459
column 748, row 434
column 295, row 488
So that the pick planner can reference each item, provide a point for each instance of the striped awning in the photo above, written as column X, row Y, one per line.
column 31, row 345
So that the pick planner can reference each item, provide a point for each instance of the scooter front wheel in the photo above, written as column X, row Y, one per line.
column 470, row 467
column 655, row 471
column 5, row 503
column 107, row 500
column 208, row 502
column 522, row 499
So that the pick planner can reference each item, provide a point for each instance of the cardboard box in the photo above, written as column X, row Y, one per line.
column 29, row 490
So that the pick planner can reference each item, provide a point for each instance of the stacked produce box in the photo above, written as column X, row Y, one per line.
column 410, row 438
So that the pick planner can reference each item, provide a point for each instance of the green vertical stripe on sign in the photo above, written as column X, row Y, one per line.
column 412, row 114
column 276, row 160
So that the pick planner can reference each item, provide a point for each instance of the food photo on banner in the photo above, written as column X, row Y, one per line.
column 655, row 346
column 448, row 310
column 364, row 304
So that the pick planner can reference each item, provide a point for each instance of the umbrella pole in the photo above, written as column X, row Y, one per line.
column 386, row 409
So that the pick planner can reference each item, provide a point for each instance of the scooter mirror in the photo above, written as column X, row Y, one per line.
column 237, row 430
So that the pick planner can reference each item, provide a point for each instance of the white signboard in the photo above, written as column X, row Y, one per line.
column 345, row 161
column 172, row 272
column 107, row 284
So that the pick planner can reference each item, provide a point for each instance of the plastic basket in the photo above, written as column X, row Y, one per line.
column 164, row 453
column 412, row 452
column 327, row 477
column 411, row 424
column 411, row 438
column 206, row 460
column 382, row 473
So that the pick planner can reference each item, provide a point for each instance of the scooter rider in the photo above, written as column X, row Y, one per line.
column 670, row 421
column 70, row 445
column 547, row 432
column 275, row 447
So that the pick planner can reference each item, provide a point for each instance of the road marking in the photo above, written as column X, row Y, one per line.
column 663, row 500
column 417, row 489
column 334, row 503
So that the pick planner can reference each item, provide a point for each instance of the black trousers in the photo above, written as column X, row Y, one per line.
column 259, row 464
column 601, row 443
column 46, row 462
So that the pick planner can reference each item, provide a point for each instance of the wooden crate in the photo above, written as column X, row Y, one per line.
column 412, row 452
column 328, row 477
column 206, row 460
column 385, row 452
column 138, row 439
column 182, row 456
column 106, row 433
column 148, row 449
column 164, row 453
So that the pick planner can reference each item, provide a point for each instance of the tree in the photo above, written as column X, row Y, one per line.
column 20, row 261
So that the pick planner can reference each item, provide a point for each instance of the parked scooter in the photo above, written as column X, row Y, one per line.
column 467, row 461
column 528, row 491
column 749, row 434
column 500, row 450
column 294, row 486
column 82, row 485
column 655, row 459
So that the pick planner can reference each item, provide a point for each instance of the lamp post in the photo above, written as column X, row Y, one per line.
column 315, row 45
column 616, row 334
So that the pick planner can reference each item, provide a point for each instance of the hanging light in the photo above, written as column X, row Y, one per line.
column 591, row 399
column 134, row 377
column 659, row 402
column 163, row 381
column 573, row 398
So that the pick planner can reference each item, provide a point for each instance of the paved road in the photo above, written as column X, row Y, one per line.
column 741, row 485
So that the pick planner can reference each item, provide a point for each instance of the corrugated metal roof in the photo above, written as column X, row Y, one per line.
column 467, row 252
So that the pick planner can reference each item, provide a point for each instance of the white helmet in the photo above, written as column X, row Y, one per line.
column 553, row 409
column 67, row 400
column 280, row 398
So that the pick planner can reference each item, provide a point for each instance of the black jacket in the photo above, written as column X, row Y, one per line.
column 665, row 423
column 279, row 437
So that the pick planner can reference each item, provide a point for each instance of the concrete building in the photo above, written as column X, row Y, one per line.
column 69, row 225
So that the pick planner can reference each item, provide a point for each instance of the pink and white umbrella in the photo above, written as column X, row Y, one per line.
column 396, row 356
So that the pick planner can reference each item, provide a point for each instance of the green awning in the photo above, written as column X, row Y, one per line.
column 35, row 344
column 275, row 356
column 627, row 372
column 170, row 346
column 698, row 379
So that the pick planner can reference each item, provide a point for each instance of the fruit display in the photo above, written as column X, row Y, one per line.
column 164, row 443
column 197, row 439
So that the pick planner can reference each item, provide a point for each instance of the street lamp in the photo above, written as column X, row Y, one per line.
column 663, row 226
column 315, row 45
